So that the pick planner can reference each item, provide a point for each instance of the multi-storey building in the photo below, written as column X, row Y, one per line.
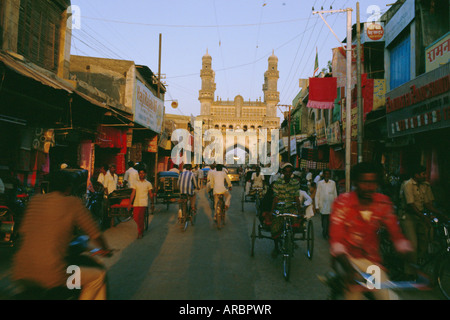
column 239, row 113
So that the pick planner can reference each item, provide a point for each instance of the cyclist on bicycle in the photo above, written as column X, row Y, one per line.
column 218, row 179
column 355, row 220
column 285, row 190
column 187, row 183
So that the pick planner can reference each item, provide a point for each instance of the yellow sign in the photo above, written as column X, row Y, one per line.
column 379, row 93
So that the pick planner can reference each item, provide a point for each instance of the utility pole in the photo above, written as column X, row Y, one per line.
column 159, row 97
column 289, row 130
column 348, row 121
column 358, row 86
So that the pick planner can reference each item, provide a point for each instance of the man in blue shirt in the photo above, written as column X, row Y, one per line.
column 187, row 184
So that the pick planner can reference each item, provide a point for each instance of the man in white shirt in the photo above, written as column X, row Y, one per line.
column 304, row 198
column 111, row 179
column 131, row 175
column 101, row 176
column 257, row 180
column 275, row 177
column 217, row 182
column 209, row 186
column 325, row 195
column 319, row 177
column 142, row 190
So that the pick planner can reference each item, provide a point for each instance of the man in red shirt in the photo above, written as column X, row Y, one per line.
column 355, row 219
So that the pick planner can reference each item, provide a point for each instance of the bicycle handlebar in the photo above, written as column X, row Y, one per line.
column 287, row 214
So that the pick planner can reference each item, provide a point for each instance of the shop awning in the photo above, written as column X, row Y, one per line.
column 25, row 69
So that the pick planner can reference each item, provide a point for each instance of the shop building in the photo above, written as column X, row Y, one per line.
column 416, row 121
column 41, row 111
column 132, row 132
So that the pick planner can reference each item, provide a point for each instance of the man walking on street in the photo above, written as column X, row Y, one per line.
column 142, row 190
column 325, row 195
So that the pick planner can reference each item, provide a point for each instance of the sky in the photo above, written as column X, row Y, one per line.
column 240, row 35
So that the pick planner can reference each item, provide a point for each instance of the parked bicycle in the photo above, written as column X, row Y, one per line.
column 436, row 263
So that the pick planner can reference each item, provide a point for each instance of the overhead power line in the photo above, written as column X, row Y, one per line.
column 194, row 26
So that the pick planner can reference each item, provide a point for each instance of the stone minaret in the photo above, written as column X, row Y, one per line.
column 270, row 87
column 207, row 74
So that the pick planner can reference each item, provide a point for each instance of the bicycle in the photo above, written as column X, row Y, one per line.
column 287, row 239
column 287, row 236
column 436, row 263
column 258, row 198
column 220, row 212
column 337, row 284
column 186, row 211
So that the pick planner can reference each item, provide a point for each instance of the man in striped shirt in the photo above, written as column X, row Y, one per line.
column 187, row 184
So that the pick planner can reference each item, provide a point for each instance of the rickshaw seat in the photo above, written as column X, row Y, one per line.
column 123, row 204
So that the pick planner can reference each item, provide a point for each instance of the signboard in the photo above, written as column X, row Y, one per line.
column 373, row 32
column 422, row 104
column 339, row 67
column 438, row 53
column 399, row 21
column 148, row 109
column 321, row 134
column 379, row 93
column 354, row 119
column 152, row 145
column 334, row 133
column 293, row 146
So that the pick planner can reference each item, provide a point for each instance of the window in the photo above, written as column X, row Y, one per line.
column 39, row 28
column 400, row 62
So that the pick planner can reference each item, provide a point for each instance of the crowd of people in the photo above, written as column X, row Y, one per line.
column 349, row 220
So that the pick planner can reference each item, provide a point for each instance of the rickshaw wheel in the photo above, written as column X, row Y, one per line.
column 310, row 239
column 253, row 236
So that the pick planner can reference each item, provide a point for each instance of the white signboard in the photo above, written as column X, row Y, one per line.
column 438, row 53
column 148, row 109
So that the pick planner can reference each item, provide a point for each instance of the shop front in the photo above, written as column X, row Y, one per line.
column 418, row 125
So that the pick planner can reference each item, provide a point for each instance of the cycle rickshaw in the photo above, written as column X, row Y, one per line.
column 168, row 191
column 251, row 196
column 294, row 228
column 118, row 202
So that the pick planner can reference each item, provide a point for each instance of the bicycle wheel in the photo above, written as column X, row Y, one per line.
column 444, row 277
column 186, row 215
column 309, row 239
column 126, row 216
column 146, row 220
column 288, row 250
column 219, row 213
column 257, row 204
column 253, row 237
